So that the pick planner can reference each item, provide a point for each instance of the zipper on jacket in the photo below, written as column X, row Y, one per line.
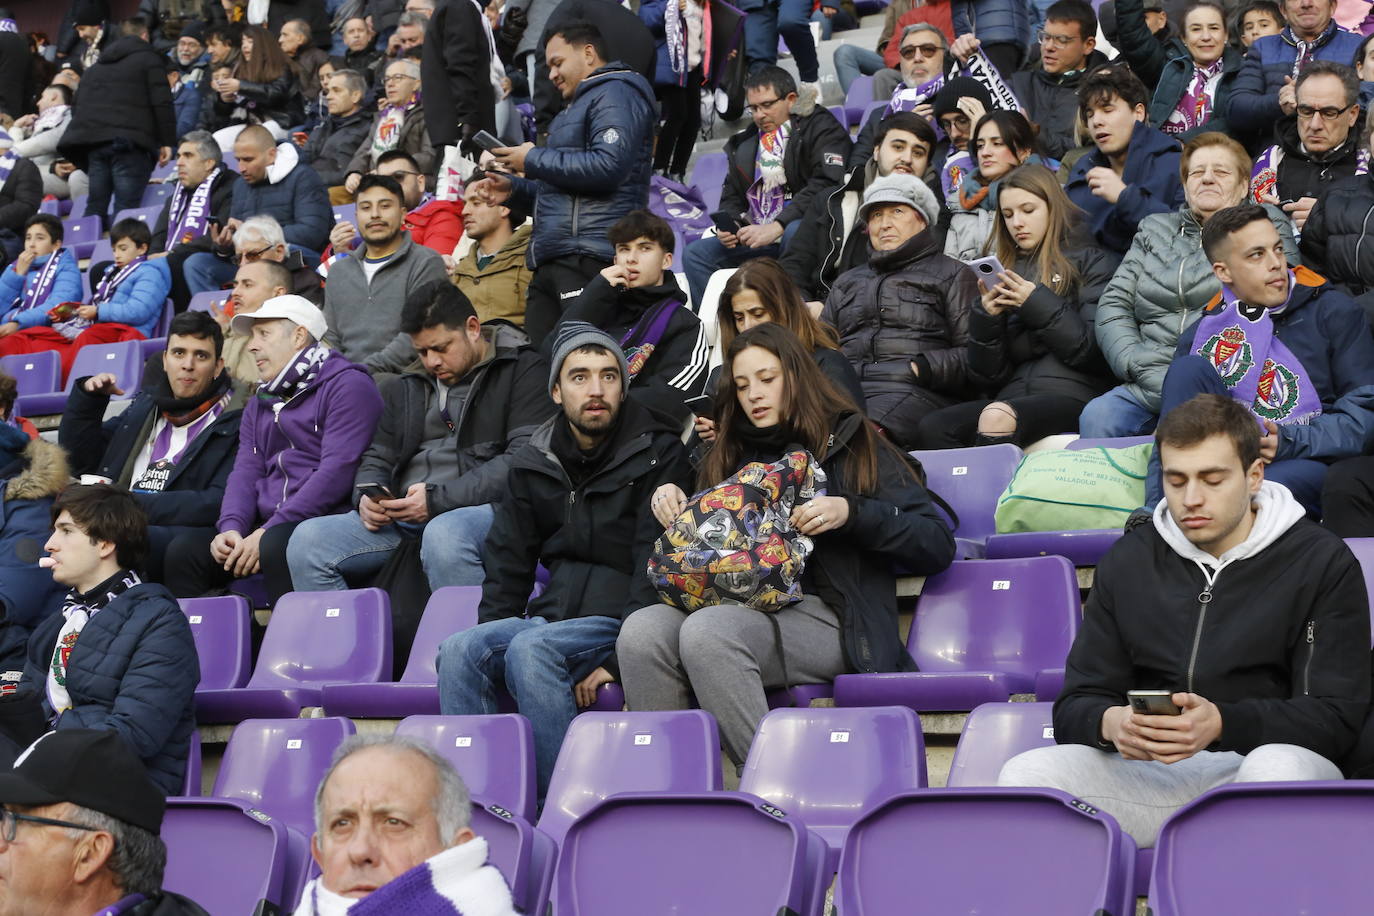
column 1203, row 599
column 1311, row 650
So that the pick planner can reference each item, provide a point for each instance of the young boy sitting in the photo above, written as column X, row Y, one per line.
column 43, row 275
column 638, row 302
column 126, row 303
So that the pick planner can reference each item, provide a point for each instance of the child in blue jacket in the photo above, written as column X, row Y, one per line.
column 43, row 275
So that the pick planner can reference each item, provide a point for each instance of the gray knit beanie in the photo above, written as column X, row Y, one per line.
column 574, row 335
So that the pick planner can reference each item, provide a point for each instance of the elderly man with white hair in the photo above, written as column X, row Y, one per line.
column 392, row 835
column 399, row 125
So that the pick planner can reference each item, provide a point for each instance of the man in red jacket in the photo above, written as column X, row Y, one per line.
column 436, row 224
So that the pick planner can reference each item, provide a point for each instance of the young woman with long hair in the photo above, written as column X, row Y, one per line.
column 263, row 86
column 873, row 515
column 1001, row 141
column 1031, row 340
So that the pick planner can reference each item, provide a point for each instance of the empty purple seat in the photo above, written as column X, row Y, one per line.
column 80, row 233
column 708, row 177
column 605, row 753
column 1081, row 548
column 156, row 194
column 35, row 373
column 827, row 766
column 524, row 854
column 75, row 207
column 103, row 251
column 858, row 98
column 313, row 639
column 993, row 734
column 448, row 611
column 840, row 114
column 162, row 175
column 721, row 852
column 147, row 215
column 51, row 206
column 981, row 632
column 223, row 857
column 493, row 754
column 222, row 628
column 1119, row 442
column 1267, row 848
column 124, row 359
column 1024, row 851
column 153, row 346
column 970, row 480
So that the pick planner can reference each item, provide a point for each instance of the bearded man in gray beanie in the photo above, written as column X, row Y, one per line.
column 577, row 501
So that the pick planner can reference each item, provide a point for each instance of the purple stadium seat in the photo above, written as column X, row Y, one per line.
column 162, row 174
column 190, row 787
column 494, row 755
column 146, row 214
column 313, row 639
column 164, row 323
column 1120, row 442
column 1034, row 852
column 722, row 852
column 80, row 233
column 981, row 632
column 152, row 346
column 222, row 631
column 36, row 373
column 993, row 734
column 970, row 480
column 1363, row 549
column 1048, row 684
column 605, row 753
column 155, row 195
column 841, row 115
column 75, row 208
column 611, row 697
column 524, row 854
column 51, row 206
column 1221, row 851
column 858, row 98
column 201, row 302
column 1081, row 548
column 708, row 177
column 223, row 856
column 124, row 359
column 449, row 610
column 103, row 251
column 827, row 766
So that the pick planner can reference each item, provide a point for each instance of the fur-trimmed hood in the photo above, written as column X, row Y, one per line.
column 45, row 475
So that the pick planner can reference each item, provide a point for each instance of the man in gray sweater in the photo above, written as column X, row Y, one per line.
column 367, row 289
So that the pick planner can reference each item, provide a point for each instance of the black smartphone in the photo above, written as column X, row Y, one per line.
column 485, row 140
column 1153, row 702
column 703, row 405
column 726, row 222
column 375, row 491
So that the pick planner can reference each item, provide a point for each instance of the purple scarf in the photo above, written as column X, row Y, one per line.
column 906, row 98
column 1195, row 108
column 641, row 340
column 7, row 163
column 1256, row 367
column 1264, row 177
column 36, row 295
column 768, row 194
column 188, row 218
column 105, row 290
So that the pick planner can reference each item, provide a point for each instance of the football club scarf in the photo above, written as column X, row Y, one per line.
column 72, row 327
column 768, row 194
column 641, row 340
column 906, row 98
column 1256, row 367
column 78, row 610
column 1195, row 108
column 37, row 294
column 188, row 218
column 1264, row 176
column 299, row 374
column 8, row 25
column 388, row 132
column 51, row 118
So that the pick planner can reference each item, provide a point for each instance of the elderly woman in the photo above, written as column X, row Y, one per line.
column 1163, row 284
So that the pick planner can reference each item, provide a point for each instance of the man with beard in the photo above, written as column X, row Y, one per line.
column 599, row 458
column 173, row 446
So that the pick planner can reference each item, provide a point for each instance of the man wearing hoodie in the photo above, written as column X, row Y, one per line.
column 638, row 302
column 300, row 440
column 1269, row 671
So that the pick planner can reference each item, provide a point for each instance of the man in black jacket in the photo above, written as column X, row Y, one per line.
column 21, row 191
column 438, row 461
column 1264, row 673
column 777, row 166
column 174, row 445
column 1049, row 91
column 201, row 199
column 456, row 71
column 332, row 144
column 122, row 121
column 599, row 459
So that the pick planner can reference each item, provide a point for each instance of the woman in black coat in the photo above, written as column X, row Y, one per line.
column 1031, row 341
column 262, row 88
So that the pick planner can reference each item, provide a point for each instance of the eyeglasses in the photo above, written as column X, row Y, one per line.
column 960, row 121
column 392, row 78
column 909, row 52
column 1059, row 41
column 9, row 823
column 401, row 174
column 1330, row 113
column 762, row 106
column 248, row 257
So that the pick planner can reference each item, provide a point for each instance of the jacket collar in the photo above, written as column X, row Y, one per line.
column 921, row 245
column 1331, row 29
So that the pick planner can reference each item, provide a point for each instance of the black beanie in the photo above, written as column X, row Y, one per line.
column 947, row 99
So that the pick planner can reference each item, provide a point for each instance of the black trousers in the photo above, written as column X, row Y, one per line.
column 1037, row 416
column 553, row 289
column 190, row 571
column 681, row 121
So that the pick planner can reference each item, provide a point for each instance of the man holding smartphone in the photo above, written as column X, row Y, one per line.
column 1255, row 620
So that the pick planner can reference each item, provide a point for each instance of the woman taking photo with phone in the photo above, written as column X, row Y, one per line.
column 873, row 514
column 1001, row 141
column 1031, row 339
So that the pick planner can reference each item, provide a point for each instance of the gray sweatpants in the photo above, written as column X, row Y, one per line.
column 728, row 656
column 1141, row 794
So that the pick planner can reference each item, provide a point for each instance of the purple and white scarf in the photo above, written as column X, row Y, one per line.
column 7, row 163
column 37, row 294
column 768, row 194
column 72, row 327
column 1195, row 108
column 1264, row 177
column 189, row 215
column 8, row 25
column 79, row 609
column 52, row 117
column 387, row 136
column 906, row 98
column 1255, row 366
column 299, row 374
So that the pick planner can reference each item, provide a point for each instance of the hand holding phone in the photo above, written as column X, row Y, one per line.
column 486, row 141
column 987, row 269
column 1153, row 702
column 727, row 222
column 375, row 491
column 703, row 405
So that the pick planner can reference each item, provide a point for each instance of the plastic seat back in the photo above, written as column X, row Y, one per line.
column 222, row 628
column 326, row 637
column 993, row 734
column 494, row 755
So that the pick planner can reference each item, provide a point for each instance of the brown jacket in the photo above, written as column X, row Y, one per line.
column 499, row 290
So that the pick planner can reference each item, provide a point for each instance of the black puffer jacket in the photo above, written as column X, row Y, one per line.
column 1048, row 345
column 1338, row 238
column 125, row 96
column 1051, row 100
column 911, row 304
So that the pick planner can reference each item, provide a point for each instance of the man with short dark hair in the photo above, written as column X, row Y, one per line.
column 80, row 823
column 360, row 43
column 442, row 451
column 1133, row 169
column 367, row 290
column 297, row 43
column 202, row 197
column 597, row 458
column 494, row 273
column 790, row 155
column 431, row 222
column 174, row 444
column 345, row 123
column 1269, row 671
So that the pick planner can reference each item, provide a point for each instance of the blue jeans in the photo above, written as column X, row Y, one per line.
column 1114, row 414
column 206, row 271
column 852, row 62
column 791, row 19
column 537, row 661
column 327, row 553
column 841, row 21
column 707, row 255
column 117, row 169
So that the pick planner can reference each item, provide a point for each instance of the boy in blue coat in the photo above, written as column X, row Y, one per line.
column 126, row 303
column 43, row 275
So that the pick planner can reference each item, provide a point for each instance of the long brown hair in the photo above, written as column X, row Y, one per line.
column 781, row 297
column 269, row 60
column 811, row 406
column 1057, row 272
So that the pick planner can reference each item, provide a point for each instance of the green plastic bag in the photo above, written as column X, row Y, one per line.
column 1063, row 490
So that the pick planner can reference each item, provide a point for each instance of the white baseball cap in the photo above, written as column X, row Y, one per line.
column 297, row 309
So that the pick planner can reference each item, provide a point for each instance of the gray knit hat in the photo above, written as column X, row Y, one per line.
column 901, row 189
column 574, row 335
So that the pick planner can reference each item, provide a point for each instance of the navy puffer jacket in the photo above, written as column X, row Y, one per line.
column 1254, row 102
column 594, row 168
column 994, row 21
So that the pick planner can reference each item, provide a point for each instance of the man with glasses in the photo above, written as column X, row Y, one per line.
column 778, row 165
column 201, row 199
column 1317, row 146
column 80, row 831
column 400, row 125
column 922, row 56
column 260, row 238
column 852, row 61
